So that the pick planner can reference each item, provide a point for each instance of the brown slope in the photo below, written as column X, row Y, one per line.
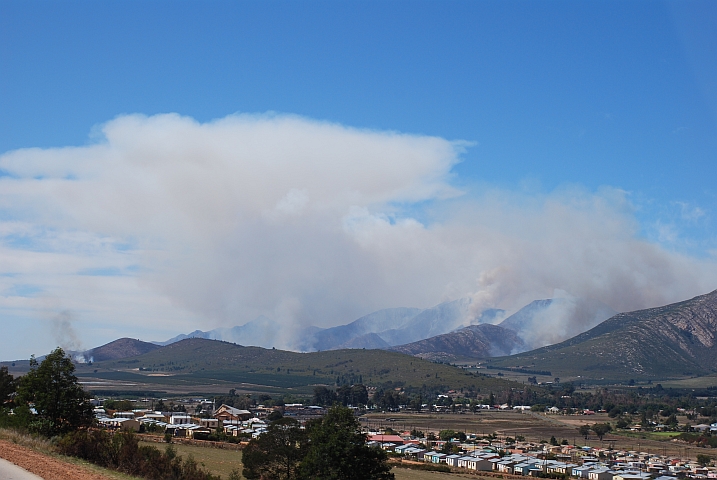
column 475, row 341
column 121, row 348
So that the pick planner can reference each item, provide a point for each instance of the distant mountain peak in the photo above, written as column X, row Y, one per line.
column 474, row 341
column 120, row 348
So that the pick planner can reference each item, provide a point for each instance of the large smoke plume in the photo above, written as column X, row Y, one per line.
column 168, row 225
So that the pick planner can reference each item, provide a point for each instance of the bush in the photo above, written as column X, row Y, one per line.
column 122, row 452
column 704, row 460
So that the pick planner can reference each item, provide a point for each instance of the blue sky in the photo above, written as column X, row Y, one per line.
column 553, row 97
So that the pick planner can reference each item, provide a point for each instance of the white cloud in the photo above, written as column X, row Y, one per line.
column 170, row 225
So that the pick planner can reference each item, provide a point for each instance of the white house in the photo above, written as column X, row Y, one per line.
column 180, row 419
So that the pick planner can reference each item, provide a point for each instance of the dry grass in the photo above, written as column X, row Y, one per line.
column 26, row 440
column 217, row 461
column 408, row 474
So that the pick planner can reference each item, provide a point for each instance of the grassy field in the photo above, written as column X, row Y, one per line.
column 706, row 381
column 659, row 436
column 215, row 460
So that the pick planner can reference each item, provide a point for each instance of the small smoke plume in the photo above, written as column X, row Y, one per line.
column 64, row 333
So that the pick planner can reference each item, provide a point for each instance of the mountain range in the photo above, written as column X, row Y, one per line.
column 540, row 323
column 201, row 365
column 380, row 329
column 670, row 341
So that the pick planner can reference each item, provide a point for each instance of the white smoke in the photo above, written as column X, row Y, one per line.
column 170, row 225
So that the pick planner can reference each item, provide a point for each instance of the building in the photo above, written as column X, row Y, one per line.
column 180, row 419
column 209, row 423
column 225, row 413
column 120, row 423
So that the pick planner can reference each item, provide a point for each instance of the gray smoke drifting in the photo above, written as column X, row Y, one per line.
column 550, row 321
column 170, row 225
column 64, row 333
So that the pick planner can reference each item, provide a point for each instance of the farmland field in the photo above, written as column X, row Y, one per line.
column 534, row 427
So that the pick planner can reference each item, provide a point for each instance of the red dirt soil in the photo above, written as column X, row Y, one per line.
column 45, row 466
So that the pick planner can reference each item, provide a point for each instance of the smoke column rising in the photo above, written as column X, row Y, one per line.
column 179, row 225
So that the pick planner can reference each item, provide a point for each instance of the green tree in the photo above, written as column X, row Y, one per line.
column 275, row 415
column 601, row 429
column 703, row 459
column 449, row 448
column 446, row 435
column 120, row 405
column 584, row 430
column 622, row 423
column 324, row 396
column 58, row 398
column 389, row 399
column 672, row 421
column 7, row 386
column 276, row 453
column 337, row 450
column 359, row 395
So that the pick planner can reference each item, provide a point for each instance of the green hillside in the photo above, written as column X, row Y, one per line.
column 199, row 361
column 673, row 341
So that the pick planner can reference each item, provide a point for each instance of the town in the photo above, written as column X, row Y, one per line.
column 455, row 450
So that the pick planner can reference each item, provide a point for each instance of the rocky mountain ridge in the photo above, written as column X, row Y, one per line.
column 672, row 340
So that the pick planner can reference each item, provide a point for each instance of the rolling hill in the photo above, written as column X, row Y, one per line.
column 121, row 348
column 671, row 341
column 200, row 360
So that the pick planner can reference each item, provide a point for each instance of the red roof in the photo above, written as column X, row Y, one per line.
column 385, row 439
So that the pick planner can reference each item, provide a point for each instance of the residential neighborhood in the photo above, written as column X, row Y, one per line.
column 475, row 453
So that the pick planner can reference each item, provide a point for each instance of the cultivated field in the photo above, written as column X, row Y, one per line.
column 534, row 427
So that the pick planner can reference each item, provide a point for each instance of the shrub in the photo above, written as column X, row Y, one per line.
column 122, row 452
